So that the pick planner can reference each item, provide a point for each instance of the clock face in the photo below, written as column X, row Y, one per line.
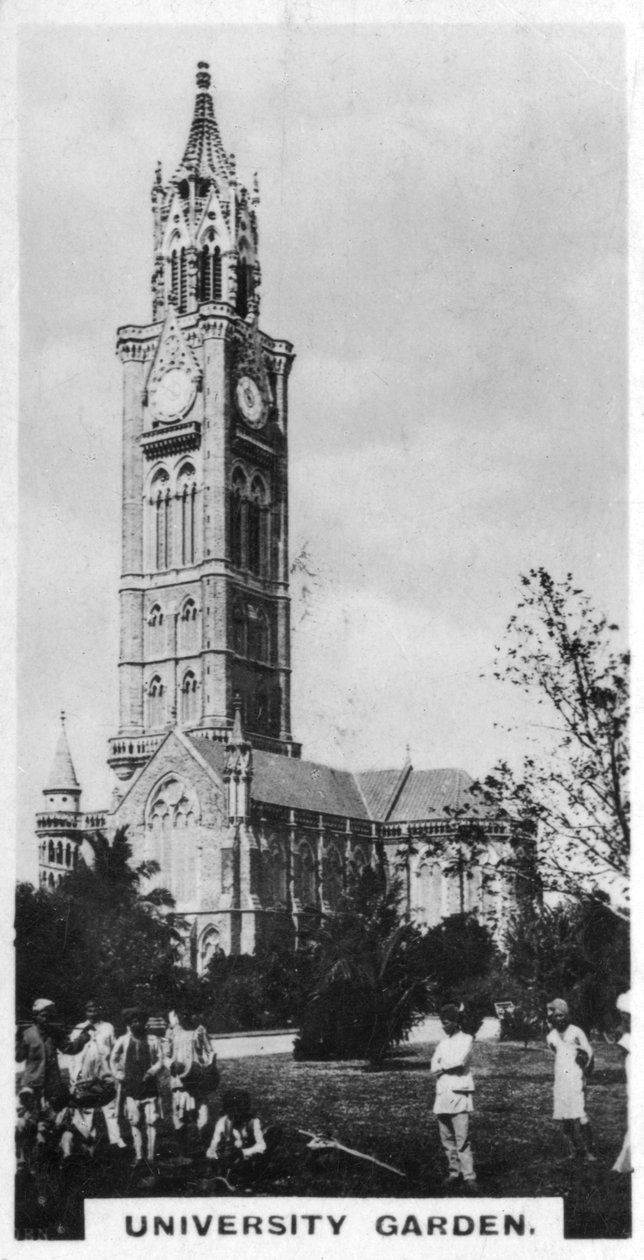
column 250, row 402
column 172, row 394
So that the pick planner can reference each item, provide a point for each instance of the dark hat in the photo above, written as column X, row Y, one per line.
column 450, row 1011
column 131, row 1013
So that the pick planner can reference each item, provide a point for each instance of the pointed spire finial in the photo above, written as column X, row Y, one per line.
column 407, row 755
column 203, row 76
column 237, row 733
column 158, row 175
column 62, row 776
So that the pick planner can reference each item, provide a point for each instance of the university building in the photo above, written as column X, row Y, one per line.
column 210, row 779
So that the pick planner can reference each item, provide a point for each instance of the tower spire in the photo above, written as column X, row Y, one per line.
column 62, row 776
column 204, row 154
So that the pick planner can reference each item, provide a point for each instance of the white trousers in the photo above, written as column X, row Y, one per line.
column 455, row 1138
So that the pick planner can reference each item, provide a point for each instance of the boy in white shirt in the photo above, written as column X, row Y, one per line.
column 454, row 1104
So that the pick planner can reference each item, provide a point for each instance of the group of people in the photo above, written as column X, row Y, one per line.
column 120, row 1078
column 573, row 1063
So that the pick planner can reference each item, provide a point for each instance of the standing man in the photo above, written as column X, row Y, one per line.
column 40, row 1083
column 135, row 1062
column 90, row 1044
column 454, row 1090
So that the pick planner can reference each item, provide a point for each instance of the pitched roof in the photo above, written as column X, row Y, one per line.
column 62, row 776
column 294, row 784
column 374, row 795
column 204, row 153
column 426, row 793
column 379, row 788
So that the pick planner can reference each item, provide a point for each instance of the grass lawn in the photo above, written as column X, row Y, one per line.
column 518, row 1149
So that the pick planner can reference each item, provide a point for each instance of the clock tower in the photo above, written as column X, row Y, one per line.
column 204, row 593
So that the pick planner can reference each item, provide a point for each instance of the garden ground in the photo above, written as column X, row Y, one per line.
column 518, row 1148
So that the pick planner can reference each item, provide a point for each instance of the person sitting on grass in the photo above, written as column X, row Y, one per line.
column 238, row 1145
column 135, row 1062
column 454, row 1104
column 573, row 1062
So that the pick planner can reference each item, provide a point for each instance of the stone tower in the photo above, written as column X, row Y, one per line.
column 59, row 826
column 204, row 594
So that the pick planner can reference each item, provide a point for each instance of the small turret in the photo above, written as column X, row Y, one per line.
column 59, row 826
column 64, row 792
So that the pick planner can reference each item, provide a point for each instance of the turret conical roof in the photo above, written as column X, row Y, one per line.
column 62, row 776
column 204, row 153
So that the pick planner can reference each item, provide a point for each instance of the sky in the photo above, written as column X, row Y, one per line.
column 443, row 238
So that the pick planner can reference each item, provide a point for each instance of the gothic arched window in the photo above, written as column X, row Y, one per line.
column 188, row 627
column 186, row 494
column 189, row 699
column 239, row 629
column 156, row 630
column 210, row 270
column 52, row 851
column 279, row 875
column 172, row 818
column 257, row 527
column 307, row 883
column 332, row 877
column 162, row 527
column 238, row 507
column 156, row 703
column 209, row 947
column 244, row 287
column 258, row 633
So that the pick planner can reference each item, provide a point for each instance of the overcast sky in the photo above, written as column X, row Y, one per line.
column 442, row 237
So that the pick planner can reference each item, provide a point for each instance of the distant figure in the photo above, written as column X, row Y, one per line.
column 623, row 1162
column 238, row 1143
column 454, row 1102
column 136, row 1061
column 573, row 1061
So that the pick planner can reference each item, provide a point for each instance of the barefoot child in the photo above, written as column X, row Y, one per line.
column 136, row 1062
column 573, row 1059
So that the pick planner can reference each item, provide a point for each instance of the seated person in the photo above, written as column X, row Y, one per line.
column 238, row 1144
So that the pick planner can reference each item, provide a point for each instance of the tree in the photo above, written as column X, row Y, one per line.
column 100, row 933
column 572, row 790
column 371, row 983
column 267, row 989
column 576, row 950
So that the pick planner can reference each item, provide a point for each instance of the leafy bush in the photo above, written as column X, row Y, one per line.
column 265, row 990
column 370, row 979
